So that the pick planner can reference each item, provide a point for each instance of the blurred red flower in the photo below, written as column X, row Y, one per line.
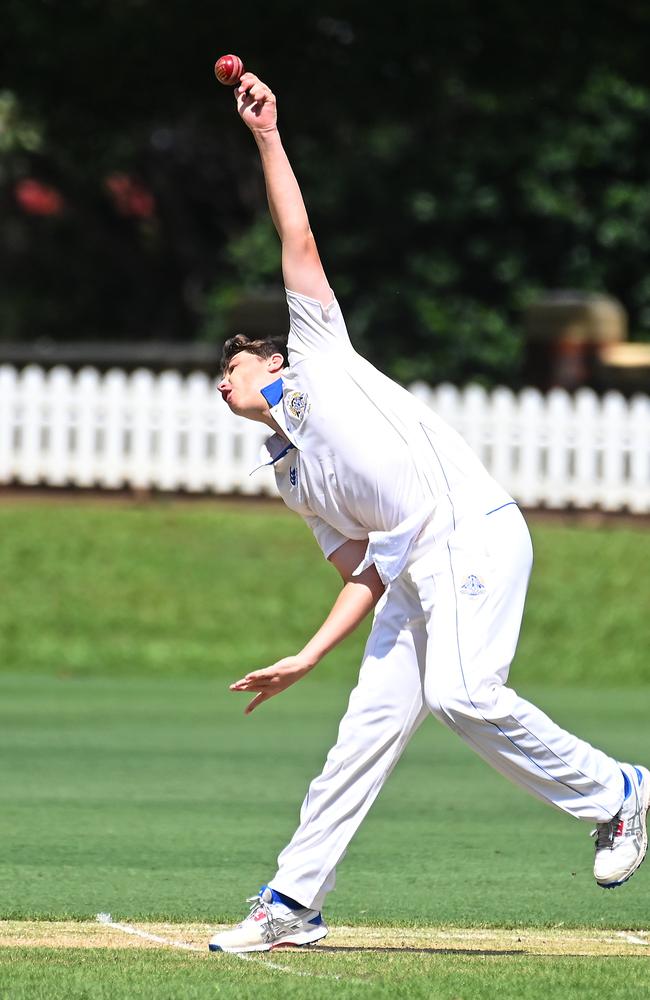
column 37, row 198
column 129, row 197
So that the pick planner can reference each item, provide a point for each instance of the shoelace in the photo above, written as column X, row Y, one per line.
column 260, row 904
column 605, row 833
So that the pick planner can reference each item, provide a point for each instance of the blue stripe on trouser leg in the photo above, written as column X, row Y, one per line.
column 472, row 641
column 462, row 644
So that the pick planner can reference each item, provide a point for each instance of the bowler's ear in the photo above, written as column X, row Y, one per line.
column 276, row 362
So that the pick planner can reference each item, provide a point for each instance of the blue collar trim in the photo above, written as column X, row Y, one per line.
column 273, row 393
column 284, row 452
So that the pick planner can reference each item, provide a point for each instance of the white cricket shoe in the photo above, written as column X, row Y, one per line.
column 621, row 844
column 271, row 924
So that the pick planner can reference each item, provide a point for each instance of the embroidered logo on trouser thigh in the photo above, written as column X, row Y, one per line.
column 472, row 586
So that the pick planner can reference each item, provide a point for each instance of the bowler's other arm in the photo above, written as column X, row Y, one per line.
column 356, row 599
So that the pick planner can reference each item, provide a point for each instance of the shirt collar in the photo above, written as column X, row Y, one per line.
column 273, row 392
column 275, row 447
column 273, row 450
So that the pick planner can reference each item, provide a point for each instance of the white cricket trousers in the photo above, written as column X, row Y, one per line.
column 443, row 638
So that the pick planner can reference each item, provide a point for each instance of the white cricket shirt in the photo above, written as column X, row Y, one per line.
column 368, row 459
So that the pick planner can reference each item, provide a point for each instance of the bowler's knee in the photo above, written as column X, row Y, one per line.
column 455, row 703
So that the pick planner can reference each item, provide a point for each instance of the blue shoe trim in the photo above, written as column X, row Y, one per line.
column 317, row 920
column 627, row 785
column 639, row 775
column 214, row 947
column 279, row 897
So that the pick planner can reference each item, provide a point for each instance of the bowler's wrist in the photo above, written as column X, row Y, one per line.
column 310, row 657
column 266, row 136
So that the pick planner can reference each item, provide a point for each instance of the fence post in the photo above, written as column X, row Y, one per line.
column 506, row 437
column 196, row 450
column 615, row 451
column 112, row 466
column 639, row 458
column 143, row 429
column 171, row 415
column 559, row 448
column 29, row 425
column 8, row 392
column 533, row 448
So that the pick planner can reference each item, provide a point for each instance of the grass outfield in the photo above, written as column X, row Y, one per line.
column 206, row 589
column 451, row 966
column 159, row 801
column 133, row 785
column 109, row 974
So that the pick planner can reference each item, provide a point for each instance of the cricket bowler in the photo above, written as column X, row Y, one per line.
column 420, row 532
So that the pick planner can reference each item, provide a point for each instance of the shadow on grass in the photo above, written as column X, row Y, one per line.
column 420, row 951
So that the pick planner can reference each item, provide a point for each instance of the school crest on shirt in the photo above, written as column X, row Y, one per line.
column 297, row 404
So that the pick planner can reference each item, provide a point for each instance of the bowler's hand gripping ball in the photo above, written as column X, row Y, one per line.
column 228, row 70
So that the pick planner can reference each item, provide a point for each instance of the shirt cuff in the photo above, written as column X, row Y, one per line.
column 389, row 551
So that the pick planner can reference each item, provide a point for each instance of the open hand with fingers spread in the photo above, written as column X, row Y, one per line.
column 256, row 103
column 272, row 680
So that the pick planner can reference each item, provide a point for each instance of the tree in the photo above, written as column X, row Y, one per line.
column 456, row 161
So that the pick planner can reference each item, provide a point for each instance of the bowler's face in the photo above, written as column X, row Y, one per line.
column 242, row 384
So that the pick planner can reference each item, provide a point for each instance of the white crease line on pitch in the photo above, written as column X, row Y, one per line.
column 632, row 938
column 107, row 921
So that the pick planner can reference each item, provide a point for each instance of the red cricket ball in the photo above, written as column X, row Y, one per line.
column 228, row 70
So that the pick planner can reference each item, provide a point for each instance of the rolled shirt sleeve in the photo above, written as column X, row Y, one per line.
column 328, row 538
column 389, row 551
column 314, row 328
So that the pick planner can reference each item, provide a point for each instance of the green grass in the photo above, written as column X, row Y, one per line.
column 105, row 975
column 133, row 784
column 206, row 589
column 161, row 801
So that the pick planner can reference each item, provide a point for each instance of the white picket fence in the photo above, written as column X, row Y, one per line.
column 168, row 432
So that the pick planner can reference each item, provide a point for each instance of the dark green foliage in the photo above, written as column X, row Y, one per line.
column 456, row 159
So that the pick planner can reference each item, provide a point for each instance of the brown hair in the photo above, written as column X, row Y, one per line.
column 262, row 348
